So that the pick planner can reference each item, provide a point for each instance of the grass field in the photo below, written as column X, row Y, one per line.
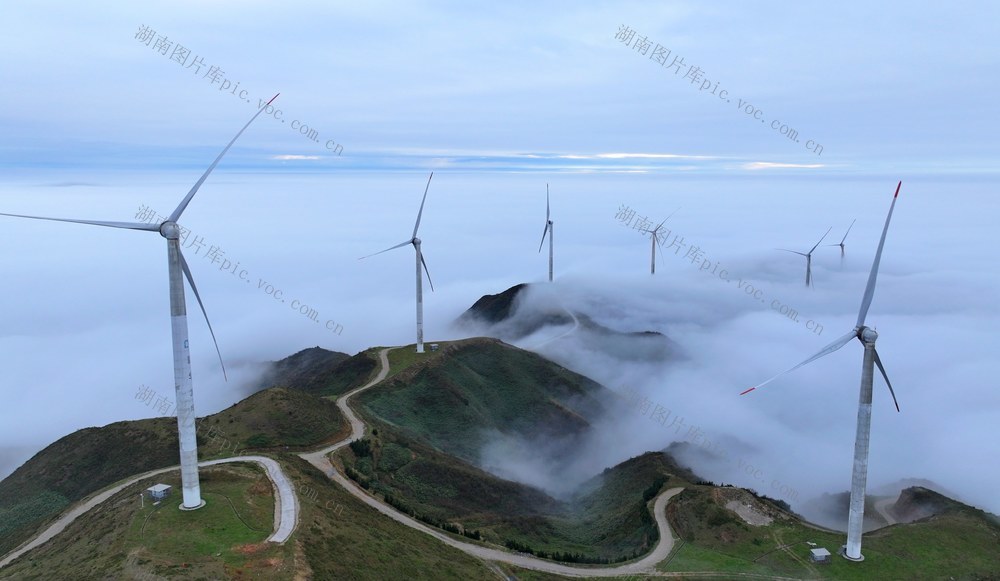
column 128, row 537
column 959, row 544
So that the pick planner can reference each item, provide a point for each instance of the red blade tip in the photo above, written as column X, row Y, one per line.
column 899, row 185
column 273, row 98
column 748, row 391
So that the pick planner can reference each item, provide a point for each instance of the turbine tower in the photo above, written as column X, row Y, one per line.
column 547, row 231
column 654, row 238
column 867, row 336
column 808, row 256
column 841, row 245
column 420, row 263
column 176, row 265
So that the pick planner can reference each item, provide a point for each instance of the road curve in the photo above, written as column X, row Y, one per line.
column 882, row 507
column 320, row 460
column 286, row 506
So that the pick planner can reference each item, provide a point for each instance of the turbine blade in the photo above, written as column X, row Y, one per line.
column 886, row 377
column 547, row 210
column 427, row 272
column 848, row 232
column 400, row 245
column 125, row 225
column 821, row 239
column 670, row 215
column 194, row 189
column 190, row 279
column 421, row 212
column 823, row 352
column 866, row 300
column 793, row 251
column 544, row 232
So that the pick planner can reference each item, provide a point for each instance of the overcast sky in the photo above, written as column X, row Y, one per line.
column 498, row 101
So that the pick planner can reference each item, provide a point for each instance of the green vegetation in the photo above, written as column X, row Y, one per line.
column 358, row 543
column 428, row 424
column 406, row 356
column 959, row 543
column 75, row 466
column 267, row 419
column 483, row 386
column 610, row 522
column 123, row 538
column 91, row 459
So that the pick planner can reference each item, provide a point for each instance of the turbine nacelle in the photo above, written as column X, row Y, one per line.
column 867, row 334
column 170, row 230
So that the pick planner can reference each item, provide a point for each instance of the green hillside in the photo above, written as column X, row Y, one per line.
column 320, row 372
column 426, row 425
column 959, row 543
column 474, row 387
column 90, row 459
column 436, row 413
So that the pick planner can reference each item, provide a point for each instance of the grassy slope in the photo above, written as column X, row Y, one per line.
column 93, row 458
column 323, row 373
column 447, row 402
column 121, row 539
column 610, row 519
column 453, row 402
column 961, row 543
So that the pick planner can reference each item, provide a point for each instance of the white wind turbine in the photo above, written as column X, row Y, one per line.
column 654, row 238
column 808, row 256
column 176, row 265
column 420, row 263
column 547, row 231
column 842, row 240
column 867, row 336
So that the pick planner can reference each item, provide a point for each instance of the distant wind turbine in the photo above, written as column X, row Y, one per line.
column 841, row 245
column 547, row 231
column 420, row 263
column 867, row 336
column 176, row 265
column 808, row 256
column 654, row 238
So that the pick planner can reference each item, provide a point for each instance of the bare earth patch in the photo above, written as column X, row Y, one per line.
column 749, row 514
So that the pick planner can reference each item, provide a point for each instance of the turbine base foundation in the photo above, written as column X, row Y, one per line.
column 189, row 508
column 843, row 553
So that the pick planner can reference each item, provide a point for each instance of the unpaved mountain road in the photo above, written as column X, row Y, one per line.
column 320, row 459
column 286, row 505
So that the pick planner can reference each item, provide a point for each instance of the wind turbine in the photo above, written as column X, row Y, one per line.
column 654, row 236
column 420, row 263
column 808, row 256
column 841, row 245
column 547, row 231
column 867, row 336
column 176, row 265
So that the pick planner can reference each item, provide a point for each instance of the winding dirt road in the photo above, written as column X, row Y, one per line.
column 320, row 459
column 286, row 505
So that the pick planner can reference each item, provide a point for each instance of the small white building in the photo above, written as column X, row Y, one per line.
column 158, row 492
column 819, row 555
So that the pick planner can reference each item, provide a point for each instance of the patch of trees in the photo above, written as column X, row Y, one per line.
column 401, row 506
column 567, row 557
column 653, row 489
column 362, row 447
column 358, row 477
